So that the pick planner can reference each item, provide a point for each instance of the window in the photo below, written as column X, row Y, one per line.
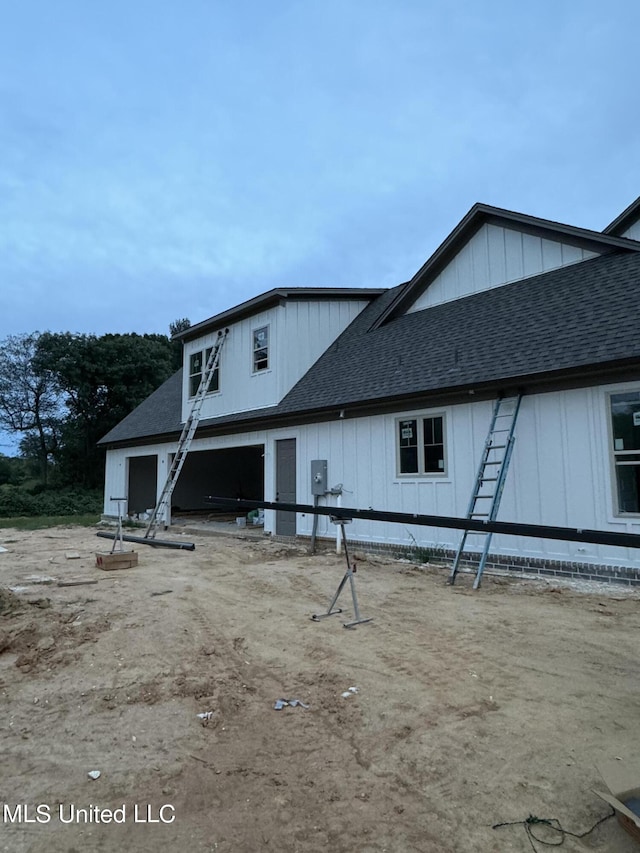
column 260, row 349
column 421, row 445
column 197, row 362
column 625, row 431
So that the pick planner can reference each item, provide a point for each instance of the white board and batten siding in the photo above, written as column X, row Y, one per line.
column 239, row 388
column 561, row 475
column 632, row 233
column 495, row 256
column 306, row 329
column 299, row 332
column 117, row 462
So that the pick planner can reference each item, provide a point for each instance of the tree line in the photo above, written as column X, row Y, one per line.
column 60, row 393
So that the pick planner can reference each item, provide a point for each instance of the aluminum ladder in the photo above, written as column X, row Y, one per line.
column 490, row 480
column 188, row 431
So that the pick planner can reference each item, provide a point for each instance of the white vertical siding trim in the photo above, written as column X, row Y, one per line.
column 495, row 256
column 551, row 255
column 514, row 254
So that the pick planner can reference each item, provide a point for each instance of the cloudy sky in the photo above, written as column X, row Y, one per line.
column 168, row 159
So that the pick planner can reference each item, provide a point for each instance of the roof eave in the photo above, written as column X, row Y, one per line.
column 275, row 297
column 628, row 215
column 529, row 383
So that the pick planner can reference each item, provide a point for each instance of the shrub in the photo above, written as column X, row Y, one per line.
column 16, row 501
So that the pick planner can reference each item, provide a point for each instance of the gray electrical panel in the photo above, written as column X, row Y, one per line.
column 319, row 476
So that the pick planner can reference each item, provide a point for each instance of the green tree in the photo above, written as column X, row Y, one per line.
column 29, row 404
column 174, row 329
column 101, row 380
column 5, row 469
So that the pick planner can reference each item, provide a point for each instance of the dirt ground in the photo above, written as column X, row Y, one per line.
column 472, row 708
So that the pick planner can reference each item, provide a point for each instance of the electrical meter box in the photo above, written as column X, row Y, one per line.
column 319, row 477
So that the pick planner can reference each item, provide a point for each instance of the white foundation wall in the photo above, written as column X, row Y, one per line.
column 561, row 474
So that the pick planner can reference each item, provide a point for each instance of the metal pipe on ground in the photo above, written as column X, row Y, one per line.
column 155, row 543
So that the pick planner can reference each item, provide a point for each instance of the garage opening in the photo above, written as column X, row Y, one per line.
column 235, row 472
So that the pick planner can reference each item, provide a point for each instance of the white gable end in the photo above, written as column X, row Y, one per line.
column 494, row 256
column 633, row 232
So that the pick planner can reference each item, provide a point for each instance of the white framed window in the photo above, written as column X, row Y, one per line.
column 420, row 443
column 197, row 363
column 624, row 409
column 260, row 352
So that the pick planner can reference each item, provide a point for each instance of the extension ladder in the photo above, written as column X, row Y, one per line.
column 188, row 431
column 492, row 472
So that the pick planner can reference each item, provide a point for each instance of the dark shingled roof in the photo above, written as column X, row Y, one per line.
column 160, row 413
column 579, row 317
column 159, row 416
column 586, row 314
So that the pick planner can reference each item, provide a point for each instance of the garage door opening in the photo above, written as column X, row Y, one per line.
column 235, row 472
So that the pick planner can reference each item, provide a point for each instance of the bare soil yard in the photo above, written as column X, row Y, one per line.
column 471, row 708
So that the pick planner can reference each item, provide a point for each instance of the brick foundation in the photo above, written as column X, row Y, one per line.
column 497, row 562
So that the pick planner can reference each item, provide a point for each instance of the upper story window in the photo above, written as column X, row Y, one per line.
column 260, row 349
column 625, row 431
column 197, row 363
column 420, row 445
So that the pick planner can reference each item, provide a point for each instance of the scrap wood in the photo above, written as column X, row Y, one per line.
column 77, row 582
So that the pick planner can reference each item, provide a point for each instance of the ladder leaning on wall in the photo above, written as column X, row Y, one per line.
column 188, row 431
column 491, row 476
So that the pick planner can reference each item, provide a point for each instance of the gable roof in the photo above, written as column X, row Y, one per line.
column 275, row 297
column 628, row 216
column 573, row 323
column 569, row 321
column 481, row 214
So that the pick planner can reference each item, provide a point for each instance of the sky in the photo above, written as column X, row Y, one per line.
column 161, row 160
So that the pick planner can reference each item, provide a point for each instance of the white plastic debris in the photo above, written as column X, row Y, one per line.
column 293, row 703
column 94, row 774
column 349, row 692
column 205, row 716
